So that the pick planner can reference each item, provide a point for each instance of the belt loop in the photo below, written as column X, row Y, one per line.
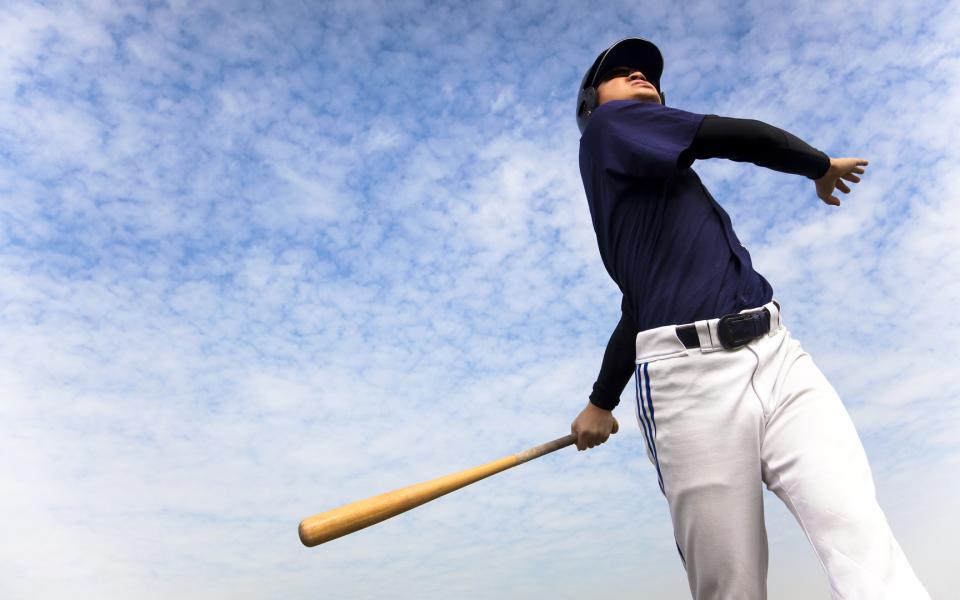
column 774, row 308
column 707, row 333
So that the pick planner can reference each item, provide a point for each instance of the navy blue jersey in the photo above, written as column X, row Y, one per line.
column 664, row 240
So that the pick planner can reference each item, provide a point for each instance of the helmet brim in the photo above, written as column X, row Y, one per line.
column 636, row 53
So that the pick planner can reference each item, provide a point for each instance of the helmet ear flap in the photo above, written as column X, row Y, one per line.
column 587, row 100
column 586, row 103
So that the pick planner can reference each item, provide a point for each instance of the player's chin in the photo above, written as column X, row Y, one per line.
column 648, row 95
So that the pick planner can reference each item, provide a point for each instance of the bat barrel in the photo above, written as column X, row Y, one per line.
column 348, row 518
column 357, row 515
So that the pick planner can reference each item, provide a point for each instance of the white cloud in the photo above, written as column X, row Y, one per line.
column 258, row 263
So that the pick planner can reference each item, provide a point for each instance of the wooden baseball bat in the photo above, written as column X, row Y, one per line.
column 352, row 517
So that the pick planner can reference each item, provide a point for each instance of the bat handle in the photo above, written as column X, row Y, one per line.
column 547, row 448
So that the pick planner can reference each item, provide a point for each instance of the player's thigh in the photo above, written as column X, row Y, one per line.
column 813, row 459
column 704, row 426
column 810, row 444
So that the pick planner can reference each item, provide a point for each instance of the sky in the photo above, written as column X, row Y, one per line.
column 260, row 259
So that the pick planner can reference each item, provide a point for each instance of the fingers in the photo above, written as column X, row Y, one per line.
column 593, row 427
column 832, row 201
column 583, row 437
column 858, row 165
column 842, row 169
column 580, row 437
column 588, row 439
column 585, row 441
column 824, row 192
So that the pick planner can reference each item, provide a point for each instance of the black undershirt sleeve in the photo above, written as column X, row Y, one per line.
column 749, row 140
column 742, row 140
column 618, row 362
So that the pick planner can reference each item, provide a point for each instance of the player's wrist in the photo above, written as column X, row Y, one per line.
column 600, row 403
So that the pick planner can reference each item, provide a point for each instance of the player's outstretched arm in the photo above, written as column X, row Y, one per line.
column 840, row 169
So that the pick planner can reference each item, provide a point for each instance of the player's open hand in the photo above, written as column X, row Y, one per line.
column 593, row 426
column 840, row 168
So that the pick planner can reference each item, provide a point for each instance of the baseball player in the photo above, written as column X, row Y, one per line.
column 725, row 397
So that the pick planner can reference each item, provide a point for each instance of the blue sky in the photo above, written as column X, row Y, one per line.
column 261, row 259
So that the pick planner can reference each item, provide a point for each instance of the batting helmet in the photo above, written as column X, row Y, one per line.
column 629, row 52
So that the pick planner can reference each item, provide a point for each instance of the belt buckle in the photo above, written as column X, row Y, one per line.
column 728, row 337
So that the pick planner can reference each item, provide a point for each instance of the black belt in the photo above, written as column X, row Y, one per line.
column 733, row 330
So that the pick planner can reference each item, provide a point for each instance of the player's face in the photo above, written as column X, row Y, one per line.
column 625, row 83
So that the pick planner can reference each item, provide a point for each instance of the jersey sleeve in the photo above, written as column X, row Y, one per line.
column 639, row 139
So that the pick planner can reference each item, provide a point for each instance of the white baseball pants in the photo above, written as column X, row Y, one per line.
column 719, row 422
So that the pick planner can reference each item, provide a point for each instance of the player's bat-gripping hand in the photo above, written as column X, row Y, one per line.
column 593, row 426
column 840, row 168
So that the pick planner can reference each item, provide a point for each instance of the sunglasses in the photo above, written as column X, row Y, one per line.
column 618, row 72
